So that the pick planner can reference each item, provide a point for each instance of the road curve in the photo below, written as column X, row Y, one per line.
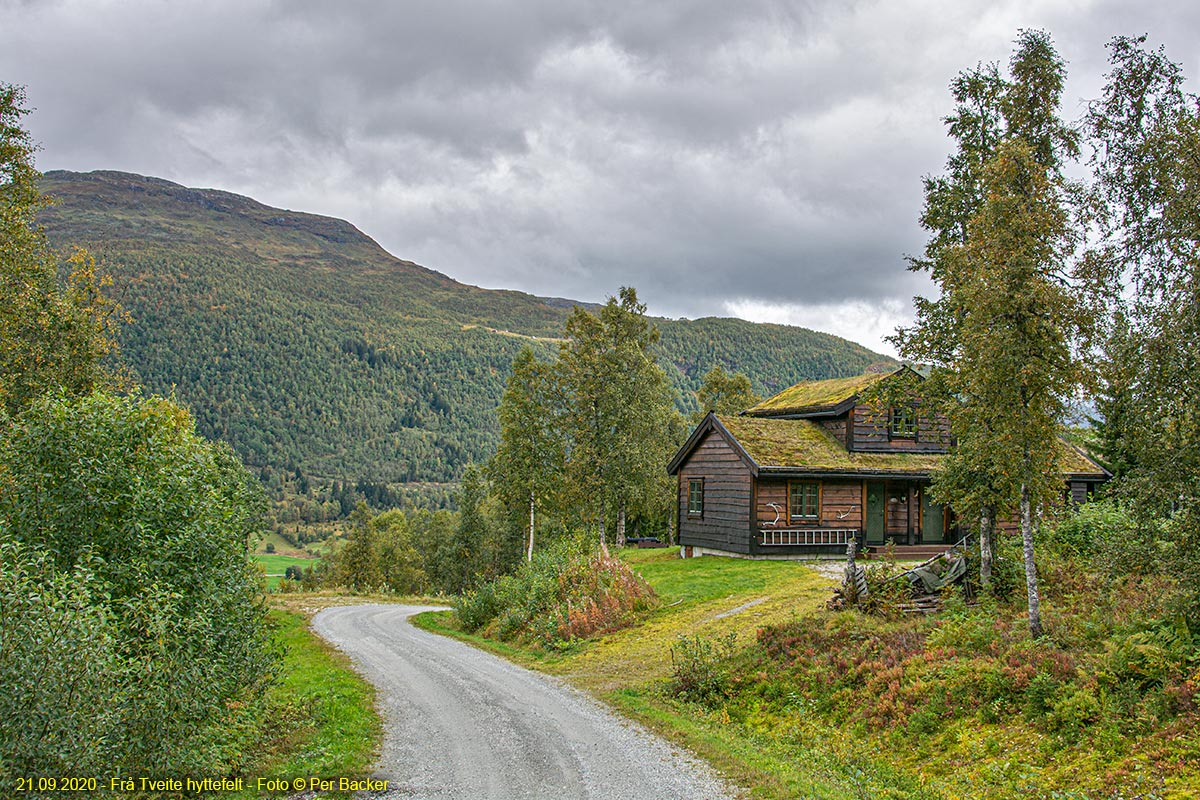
column 462, row 723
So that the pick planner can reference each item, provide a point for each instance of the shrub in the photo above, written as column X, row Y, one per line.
column 886, row 590
column 59, row 667
column 138, row 531
column 1008, row 567
column 477, row 607
column 566, row 592
column 1107, row 537
column 699, row 667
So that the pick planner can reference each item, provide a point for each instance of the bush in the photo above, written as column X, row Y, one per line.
column 59, row 667
column 699, row 667
column 566, row 592
column 886, row 590
column 477, row 608
column 133, row 534
column 1108, row 537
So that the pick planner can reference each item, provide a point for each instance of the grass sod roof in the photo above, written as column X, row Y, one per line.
column 798, row 444
column 815, row 395
column 1073, row 461
column 804, row 445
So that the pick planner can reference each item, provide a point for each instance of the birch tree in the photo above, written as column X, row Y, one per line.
column 53, row 336
column 1001, row 335
column 530, row 453
column 619, row 413
column 1145, row 130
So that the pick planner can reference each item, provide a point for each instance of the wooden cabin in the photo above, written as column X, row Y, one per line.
column 804, row 471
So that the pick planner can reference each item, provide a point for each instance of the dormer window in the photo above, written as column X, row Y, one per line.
column 903, row 422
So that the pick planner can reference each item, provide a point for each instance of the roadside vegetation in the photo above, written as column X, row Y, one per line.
column 133, row 635
column 741, row 663
column 320, row 719
column 566, row 593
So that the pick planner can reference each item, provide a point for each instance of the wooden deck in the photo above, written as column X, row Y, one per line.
column 913, row 552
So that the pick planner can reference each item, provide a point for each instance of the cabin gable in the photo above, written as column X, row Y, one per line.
column 720, row 518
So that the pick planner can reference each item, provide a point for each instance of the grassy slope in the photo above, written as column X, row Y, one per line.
column 628, row 669
column 899, row 729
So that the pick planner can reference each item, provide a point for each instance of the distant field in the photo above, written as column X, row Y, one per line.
column 276, row 565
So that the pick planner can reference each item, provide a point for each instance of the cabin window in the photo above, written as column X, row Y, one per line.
column 695, row 497
column 804, row 501
column 904, row 422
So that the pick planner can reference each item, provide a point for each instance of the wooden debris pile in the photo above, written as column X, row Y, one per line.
column 926, row 582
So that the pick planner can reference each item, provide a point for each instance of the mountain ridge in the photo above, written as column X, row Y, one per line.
column 305, row 344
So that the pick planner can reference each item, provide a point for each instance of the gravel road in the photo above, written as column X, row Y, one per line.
column 462, row 723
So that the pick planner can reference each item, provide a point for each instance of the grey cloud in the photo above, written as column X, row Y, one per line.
column 701, row 150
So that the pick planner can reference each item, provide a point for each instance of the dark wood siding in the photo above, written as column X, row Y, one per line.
column 841, row 505
column 871, row 434
column 836, row 427
column 725, row 523
column 772, row 491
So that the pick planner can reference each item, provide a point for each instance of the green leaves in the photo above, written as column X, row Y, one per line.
column 723, row 393
column 53, row 336
column 134, row 531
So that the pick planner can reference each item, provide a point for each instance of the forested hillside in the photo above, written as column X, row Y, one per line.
column 301, row 342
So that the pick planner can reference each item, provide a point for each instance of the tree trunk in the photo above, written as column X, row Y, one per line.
column 529, row 554
column 621, row 524
column 987, row 523
column 1031, row 581
column 603, row 543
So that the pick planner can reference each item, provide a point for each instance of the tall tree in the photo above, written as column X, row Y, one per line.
column 1001, row 335
column 619, row 411
column 1146, row 133
column 530, row 452
column 951, row 200
column 53, row 337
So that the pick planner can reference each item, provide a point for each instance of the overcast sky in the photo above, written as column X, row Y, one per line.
column 752, row 158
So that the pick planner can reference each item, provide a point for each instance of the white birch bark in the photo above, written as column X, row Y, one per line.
column 1031, row 580
column 529, row 554
column 987, row 521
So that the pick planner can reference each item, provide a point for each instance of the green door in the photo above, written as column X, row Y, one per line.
column 933, row 524
column 876, row 505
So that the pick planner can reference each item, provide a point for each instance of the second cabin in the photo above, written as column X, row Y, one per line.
column 804, row 471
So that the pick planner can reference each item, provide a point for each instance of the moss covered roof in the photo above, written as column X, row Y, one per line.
column 815, row 395
column 800, row 444
column 1073, row 461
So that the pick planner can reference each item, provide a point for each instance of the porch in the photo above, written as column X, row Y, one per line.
column 832, row 542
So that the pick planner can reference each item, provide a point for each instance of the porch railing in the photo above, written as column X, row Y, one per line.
column 806, row 537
